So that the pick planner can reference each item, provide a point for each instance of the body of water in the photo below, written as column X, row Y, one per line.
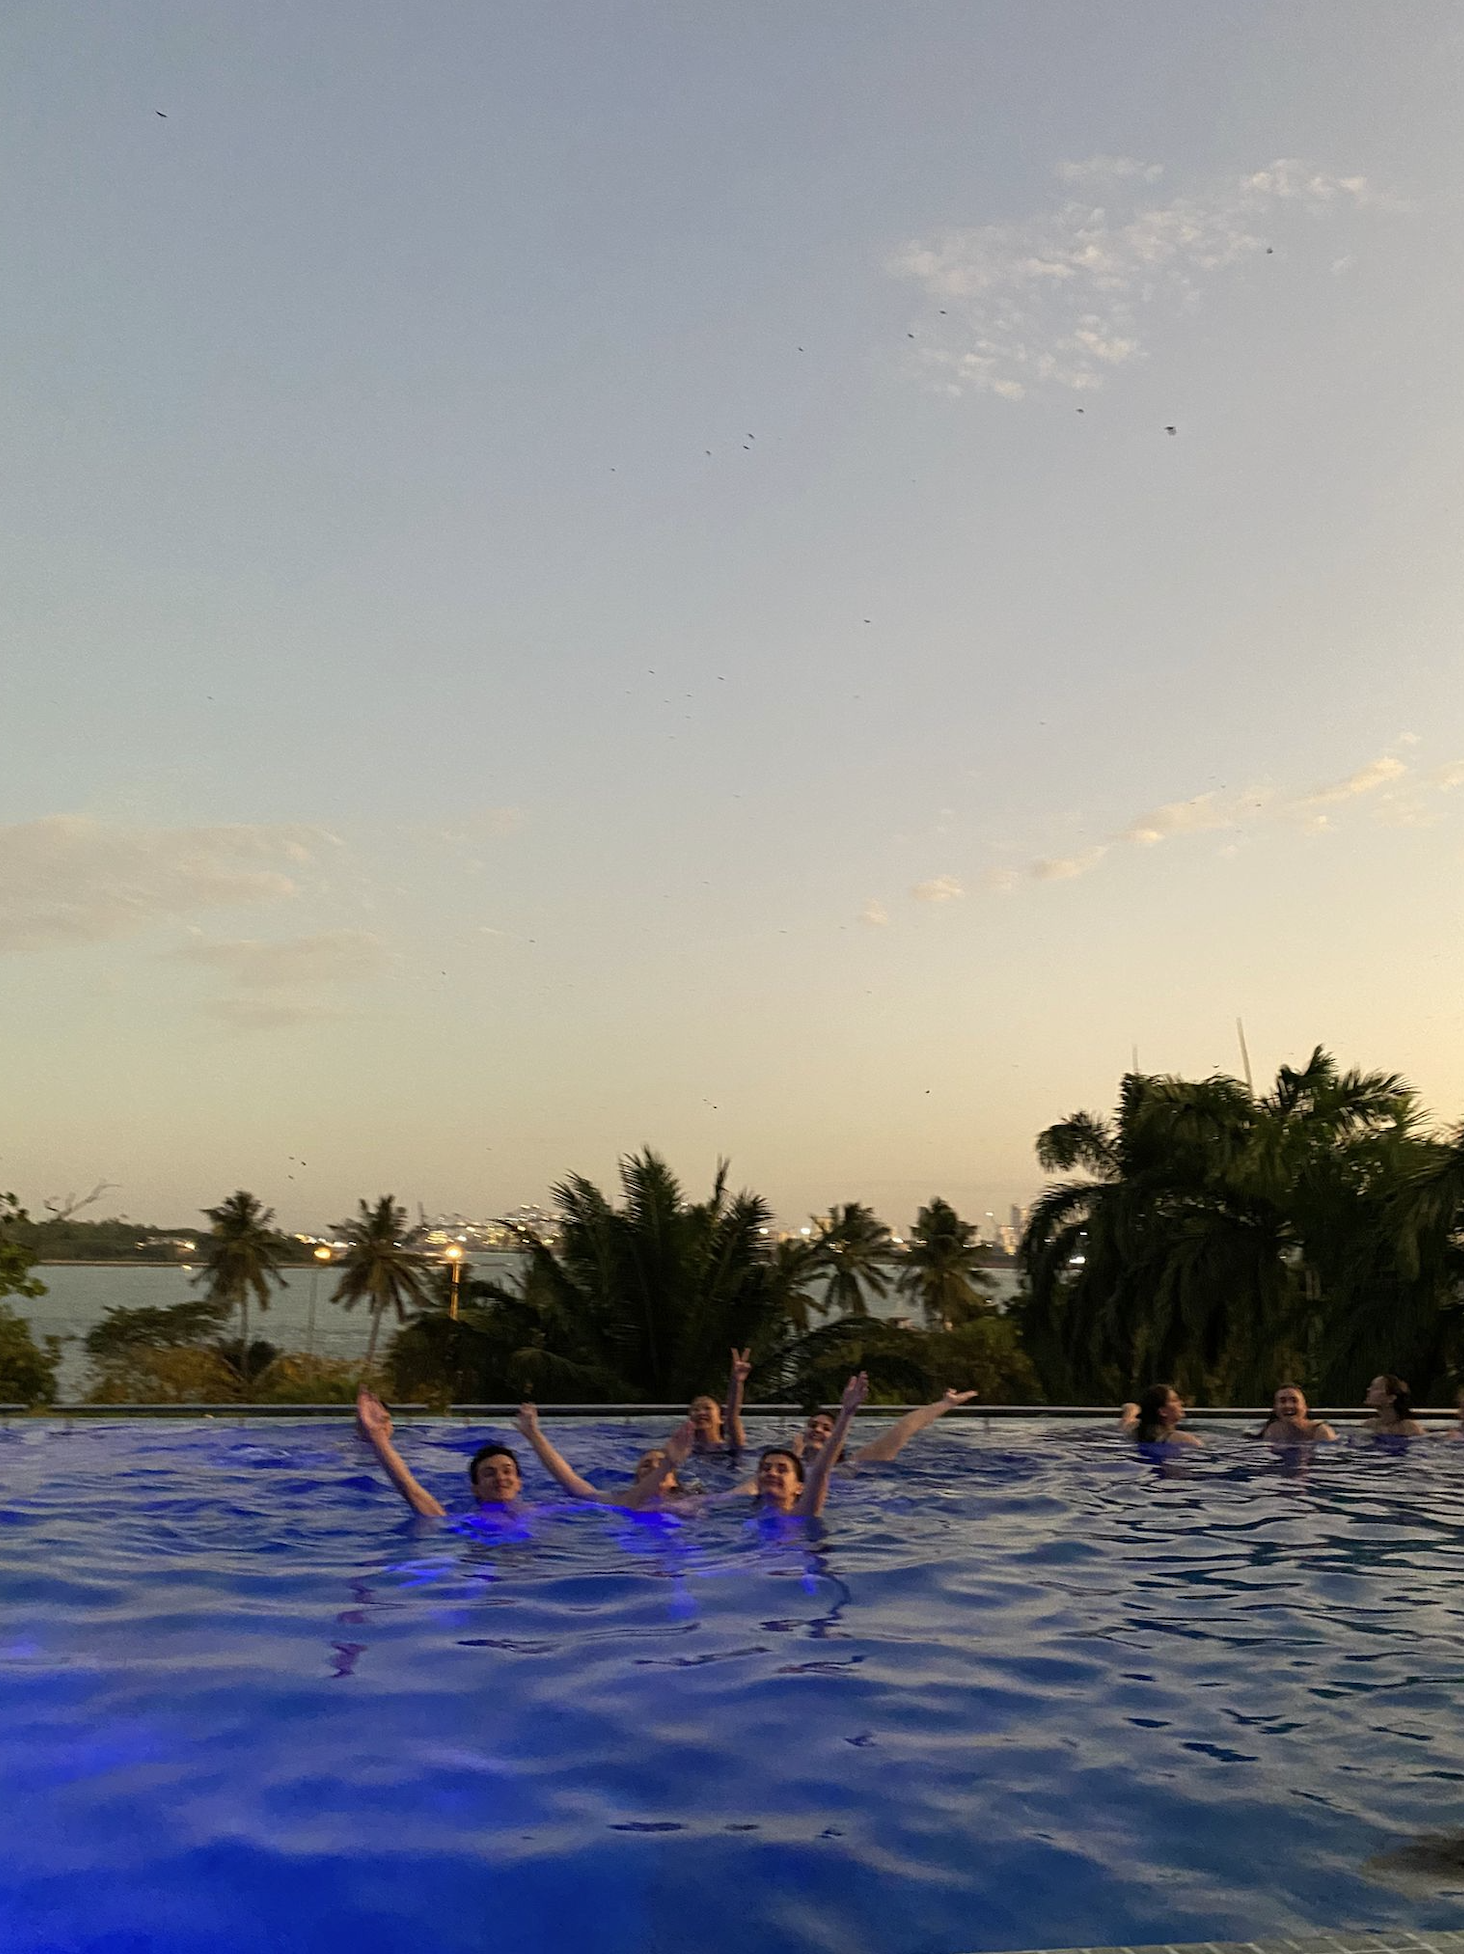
column 1023, row 1688
column 79, row 1294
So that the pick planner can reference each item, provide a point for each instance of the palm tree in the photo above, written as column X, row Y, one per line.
column 941, row 1270
column 1221, row 1237
column 856, row 1250
column 380, row 1267
column 241, row 1258
column 643, row 1300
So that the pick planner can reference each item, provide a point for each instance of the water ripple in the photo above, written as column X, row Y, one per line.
column 1020, row 1690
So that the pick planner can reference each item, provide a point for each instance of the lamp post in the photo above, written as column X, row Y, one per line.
column 454, row 1256
column 322, row 1256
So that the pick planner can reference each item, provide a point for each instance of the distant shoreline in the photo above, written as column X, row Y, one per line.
column 127, row 1262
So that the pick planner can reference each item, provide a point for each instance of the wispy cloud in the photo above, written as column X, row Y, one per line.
column 875, row 913
column 1064, row 868
column 331, row 957
column 269, row 1013
column 1377, row 773
column 70, row 879
column 1390, row 788
column 477, row 825
column 1065, row 297
column 1206, row 813
column 940, row 888
column 1094, row 170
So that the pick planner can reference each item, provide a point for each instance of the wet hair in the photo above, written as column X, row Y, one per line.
column 659, row 1452
column 782, row 1452
column 1149, row 1427
column 1273, row 1416
column 489, row 1452
column 1399, row 1394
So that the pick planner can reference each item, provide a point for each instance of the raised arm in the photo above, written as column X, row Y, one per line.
column 550, row 1457
column 373, row 1422
column 736, row 1383
column 816, row 1483
column 891, row 1443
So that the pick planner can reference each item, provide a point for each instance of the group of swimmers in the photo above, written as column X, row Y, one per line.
column 791, row 1478
column 794, row 1478
column 1155, row 1418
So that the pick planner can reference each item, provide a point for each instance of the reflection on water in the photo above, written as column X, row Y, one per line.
column 1021, row 1689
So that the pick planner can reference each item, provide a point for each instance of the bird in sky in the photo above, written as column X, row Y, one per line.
column 1171, row 430
column 160, row 112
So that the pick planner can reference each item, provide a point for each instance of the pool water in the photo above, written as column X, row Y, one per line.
column 1021, row 1689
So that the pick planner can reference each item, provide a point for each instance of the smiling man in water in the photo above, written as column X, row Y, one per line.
column 493, row 1470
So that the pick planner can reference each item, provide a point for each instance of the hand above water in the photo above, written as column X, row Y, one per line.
column 527, row 1420
column 950, row 1399
column 680, row 1444
column 855, row 1391
column 373, row 1420
column 741, row 1364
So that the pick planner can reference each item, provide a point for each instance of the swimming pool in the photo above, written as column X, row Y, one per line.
column 1023, row 1690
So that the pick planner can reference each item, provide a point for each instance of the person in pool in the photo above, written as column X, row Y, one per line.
column 655, row 1483
column 709, row 1431
column 1154, row 1420
column 1391, row 1404
column 1290, row 1423
column 493, row 1470
column 820, row 1424
column 785, row 1483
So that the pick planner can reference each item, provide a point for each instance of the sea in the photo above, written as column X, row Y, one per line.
column 301, row 1315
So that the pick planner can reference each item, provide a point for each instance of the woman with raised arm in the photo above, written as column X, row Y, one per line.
column 716, row 1428
column 655, row 1473
column 888, row 1445
column 1391, row 1403
column 493, row 1471
column 1154, row 1420
column 1290, row 1423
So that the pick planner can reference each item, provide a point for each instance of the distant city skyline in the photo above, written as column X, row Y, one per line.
column 782, row 585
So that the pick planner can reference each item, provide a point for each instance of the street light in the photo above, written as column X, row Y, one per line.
column 322, row 1255
column 454, row 1256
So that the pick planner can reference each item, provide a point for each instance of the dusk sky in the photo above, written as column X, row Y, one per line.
column 786, row 582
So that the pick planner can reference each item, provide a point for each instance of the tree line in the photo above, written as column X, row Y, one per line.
column 1205, row 1234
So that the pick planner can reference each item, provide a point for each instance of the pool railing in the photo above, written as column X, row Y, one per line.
column 1082, row 1413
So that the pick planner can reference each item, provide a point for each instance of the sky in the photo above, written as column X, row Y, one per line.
column 798, row 584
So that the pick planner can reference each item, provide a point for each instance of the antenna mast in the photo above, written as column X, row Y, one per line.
column 1244, row 1057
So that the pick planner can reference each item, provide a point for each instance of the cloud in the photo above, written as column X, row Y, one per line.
column 478, row 825
column 1377, row 773
column 333, row 956
column 1066, row 867
column 1396, row 795
column 940, row 888
column 1108, row 169
column 1205, row 812
column 70, row 879
column 1065, row 297
column 268, row 1013
column 874, row 912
